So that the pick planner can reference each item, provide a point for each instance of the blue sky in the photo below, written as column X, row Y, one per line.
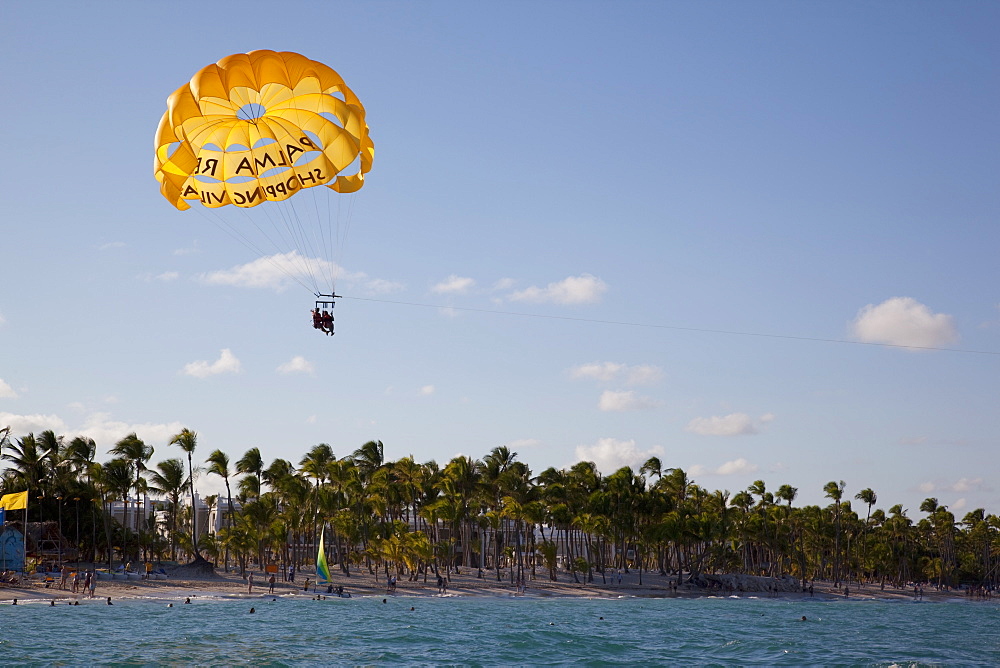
column 823, row 174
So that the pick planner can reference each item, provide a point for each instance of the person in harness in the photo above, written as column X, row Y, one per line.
column 323, row 320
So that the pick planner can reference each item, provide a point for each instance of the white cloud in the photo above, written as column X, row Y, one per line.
column 734, row 424
column 28, row 424
column 3, row 320
column 583, row 289
column 967, row 485
column 188, row 251
column 641, row 374
column 6, row 391
column 521, row 443
column 959, row 505
column 610, row 454
column 275, row 272
column 426, row 390
column 227, row 363
column 626, row 400
column 311, row 419
column 504, row 284
column 644, row 374
column 377, row 286
column 164, row 277
column 106, row 432
column 112, row 244
column 734, row 467
column 297, row 364
column 98, row 426
column 454, row 285
column 603, row 371
column 961, row 486
column 903, row 321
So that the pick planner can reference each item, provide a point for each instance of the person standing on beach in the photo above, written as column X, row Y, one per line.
column 64, row 576
column 291, row 573
column 93, row 582
column 270, row 584
column 250, row 583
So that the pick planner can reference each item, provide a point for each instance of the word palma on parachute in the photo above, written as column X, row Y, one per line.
column 255, row 131
column 219, row 193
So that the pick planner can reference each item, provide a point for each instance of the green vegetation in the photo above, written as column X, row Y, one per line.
column 410, row 518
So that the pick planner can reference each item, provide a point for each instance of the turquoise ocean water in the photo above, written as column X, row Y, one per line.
column 296, row 630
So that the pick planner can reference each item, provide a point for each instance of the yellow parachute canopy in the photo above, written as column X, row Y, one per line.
column 261, row 126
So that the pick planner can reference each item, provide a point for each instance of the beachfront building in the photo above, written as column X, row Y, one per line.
column 218, row 515
column 213, row 515
column 133, row 515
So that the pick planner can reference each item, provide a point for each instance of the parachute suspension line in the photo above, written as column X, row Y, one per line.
column 324, row 236
column 303, row 240
column 343, row 228
column 232, row 231
column 283, row 245
column 330, row 229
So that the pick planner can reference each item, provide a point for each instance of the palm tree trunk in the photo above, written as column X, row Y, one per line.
column 194, row 511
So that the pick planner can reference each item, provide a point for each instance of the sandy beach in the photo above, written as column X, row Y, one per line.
column 363, row 583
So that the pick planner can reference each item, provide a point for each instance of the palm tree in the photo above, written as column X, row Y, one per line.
column 368, row 458
column 787, row 493
column 169, row 480
column 29, row 460
column 251, row 467
column 218, row 464
column 133, row 450
column 868, row 497
column 316, row 465
column 461, row 486
column 116, row 480
column 835, row 491
column 652, row 467
column 187, row 440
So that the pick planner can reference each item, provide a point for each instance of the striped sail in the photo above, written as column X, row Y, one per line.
column 322, row 570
